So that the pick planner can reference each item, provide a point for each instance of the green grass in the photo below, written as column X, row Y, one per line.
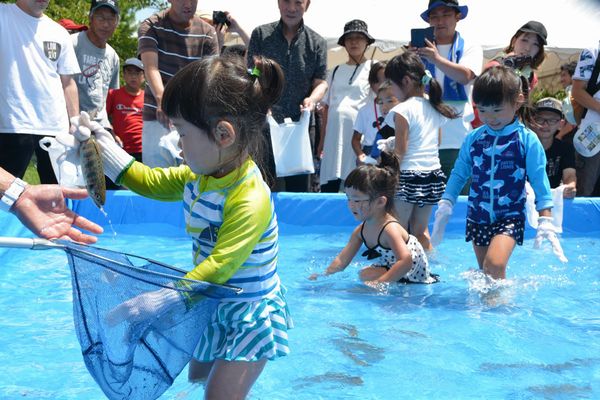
column 31, row 175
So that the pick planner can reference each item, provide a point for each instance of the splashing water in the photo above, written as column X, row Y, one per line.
column 114, row 233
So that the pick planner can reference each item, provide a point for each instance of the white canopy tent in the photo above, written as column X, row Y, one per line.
column 571, row 24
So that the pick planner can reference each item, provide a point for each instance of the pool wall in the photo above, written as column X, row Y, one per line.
column 581, row 215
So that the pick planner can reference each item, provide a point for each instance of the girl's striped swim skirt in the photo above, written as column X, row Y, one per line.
column 247, row 331
column 421, row 187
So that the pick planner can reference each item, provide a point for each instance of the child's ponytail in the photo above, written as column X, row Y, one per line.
column 435, row 99
column 222, row 88
column 390, row 162
column 268, row 83
column 409, row 64
column 377, row 180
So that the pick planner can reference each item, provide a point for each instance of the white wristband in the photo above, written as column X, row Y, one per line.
column 12, row 194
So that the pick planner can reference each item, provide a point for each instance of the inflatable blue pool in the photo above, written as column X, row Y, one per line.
column 536, row 338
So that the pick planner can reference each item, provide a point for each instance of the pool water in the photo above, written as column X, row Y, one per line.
column 536, row 337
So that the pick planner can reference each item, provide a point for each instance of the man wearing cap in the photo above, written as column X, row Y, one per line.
column 302, row 53
column 124, row 107
column 37, row 91
column 454, row 62
column 168, row 41
column 560, row 155
column 98, row 61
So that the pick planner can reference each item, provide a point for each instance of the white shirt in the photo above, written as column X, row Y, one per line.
column 583, row 72
column 35, row 52
column 365, row 123
column 424, row 122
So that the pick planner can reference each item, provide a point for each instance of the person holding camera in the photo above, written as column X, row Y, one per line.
column 224, row 23
column 454, row 61
column 168, row 41
column 524, row 54
column 302, row 53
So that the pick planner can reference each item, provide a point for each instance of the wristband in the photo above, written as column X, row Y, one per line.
column 12, row 194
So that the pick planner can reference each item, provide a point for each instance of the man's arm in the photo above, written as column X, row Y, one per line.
column 460, row 73
column 318, row 92
column 42, row 209
column 456, row 72
column 569, row 179
column 71, row 95
column 154, row 82
column 583, row 97
column 234, row 26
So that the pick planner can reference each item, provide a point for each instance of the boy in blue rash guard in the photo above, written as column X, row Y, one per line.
column 499, row 157
column 218, row 108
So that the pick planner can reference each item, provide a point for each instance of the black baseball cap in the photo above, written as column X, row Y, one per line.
column 535, row 27
column 112, row 4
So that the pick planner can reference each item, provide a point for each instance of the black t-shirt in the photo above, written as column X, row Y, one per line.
column 559, row 156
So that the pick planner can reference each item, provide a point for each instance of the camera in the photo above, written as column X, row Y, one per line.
column 220, row 18
column 517, row 62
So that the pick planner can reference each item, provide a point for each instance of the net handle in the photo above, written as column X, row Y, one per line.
column 29, row 243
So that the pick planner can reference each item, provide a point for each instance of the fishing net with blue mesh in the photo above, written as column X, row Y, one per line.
column 137, row 320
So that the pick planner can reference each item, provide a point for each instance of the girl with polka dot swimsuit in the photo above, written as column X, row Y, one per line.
column 399, row 256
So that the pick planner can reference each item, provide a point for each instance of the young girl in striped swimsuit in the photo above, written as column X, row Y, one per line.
column 219, row 108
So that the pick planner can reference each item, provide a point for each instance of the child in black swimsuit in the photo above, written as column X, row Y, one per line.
column 398, row 256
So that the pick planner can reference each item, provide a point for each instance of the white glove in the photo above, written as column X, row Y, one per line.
column 114, row 158
column 147, row 309
column 387, row 144
column 169, row 148
column 547, row 230
column 442, row 215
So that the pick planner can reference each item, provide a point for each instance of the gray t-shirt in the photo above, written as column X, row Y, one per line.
column 99, row 72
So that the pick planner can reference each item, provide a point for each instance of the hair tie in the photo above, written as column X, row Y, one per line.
column 255, row 72
column 426, row 78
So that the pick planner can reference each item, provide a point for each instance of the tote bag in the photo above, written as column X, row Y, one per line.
column 587, row 139
column 291, row 146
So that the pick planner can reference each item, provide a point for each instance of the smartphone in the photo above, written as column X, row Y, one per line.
column 418, row 36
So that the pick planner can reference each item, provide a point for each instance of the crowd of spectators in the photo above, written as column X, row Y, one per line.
column 83, row 67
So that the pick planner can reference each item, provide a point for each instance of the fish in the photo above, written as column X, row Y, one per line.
column 497, row 149
column 93, row 171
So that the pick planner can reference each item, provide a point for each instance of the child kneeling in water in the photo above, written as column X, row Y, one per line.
column 398, row 256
